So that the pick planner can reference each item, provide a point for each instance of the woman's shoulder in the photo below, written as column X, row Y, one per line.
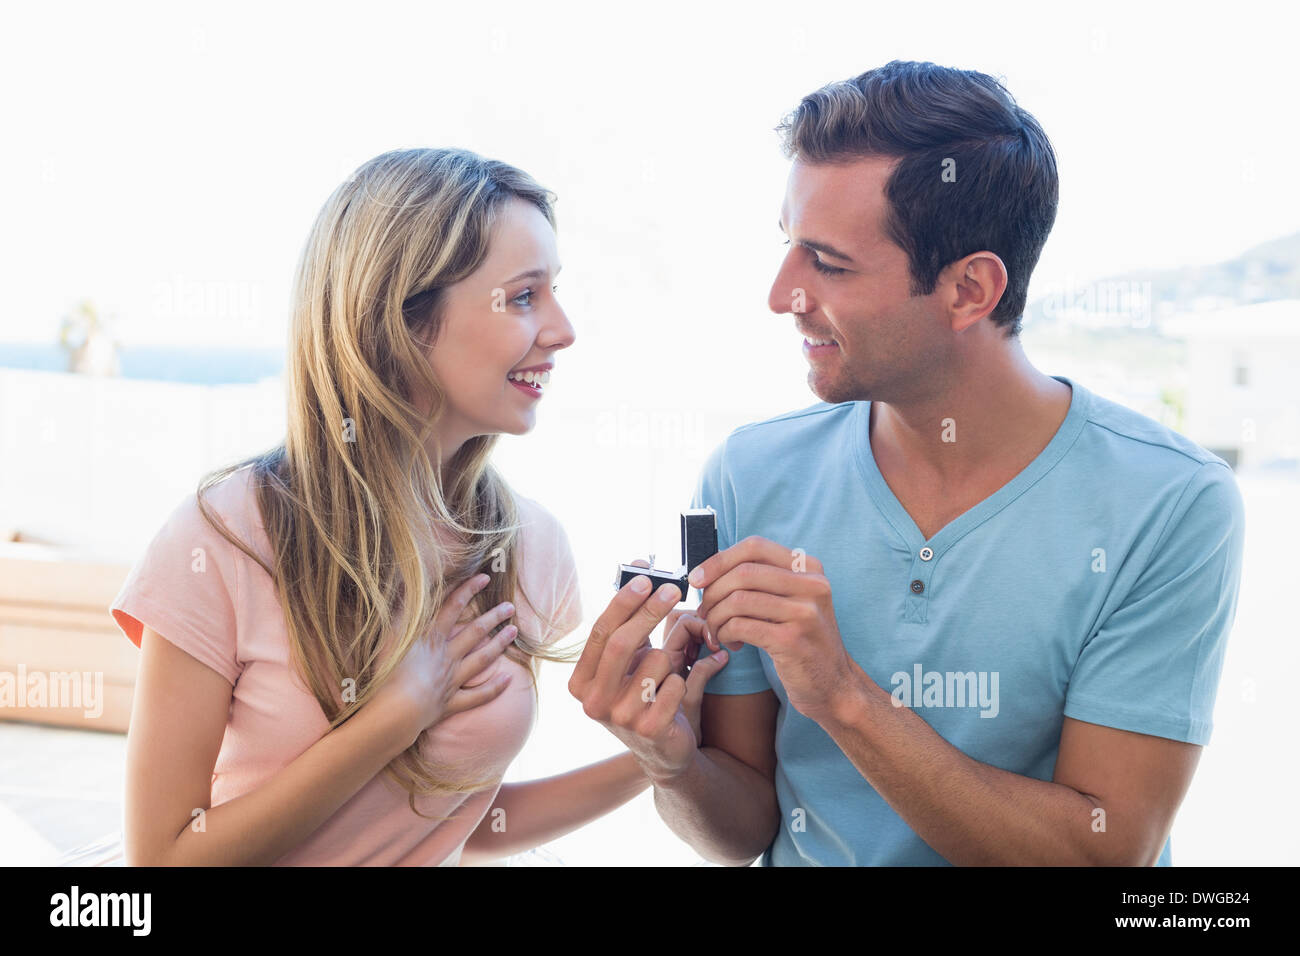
column 231, row 500
column 185, row 585
column 232, row 493
column 547, row 569
column 540, row 529
column 532, row 511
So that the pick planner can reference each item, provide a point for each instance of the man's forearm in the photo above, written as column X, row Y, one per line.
column 969, row 812
column 725, row 809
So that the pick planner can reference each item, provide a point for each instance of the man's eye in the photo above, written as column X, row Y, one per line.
column 822, row 267
column 825, row 269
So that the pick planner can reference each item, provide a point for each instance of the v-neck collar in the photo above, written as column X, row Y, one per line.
column 896, row 514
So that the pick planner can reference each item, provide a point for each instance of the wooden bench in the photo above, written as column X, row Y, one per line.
column 55, row 628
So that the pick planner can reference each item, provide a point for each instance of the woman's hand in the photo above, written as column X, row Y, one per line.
column 427, row 687
column 685, row 635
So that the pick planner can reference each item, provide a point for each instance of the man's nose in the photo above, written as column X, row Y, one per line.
column 786, row 294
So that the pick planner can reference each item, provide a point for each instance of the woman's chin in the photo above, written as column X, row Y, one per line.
column 522, row 425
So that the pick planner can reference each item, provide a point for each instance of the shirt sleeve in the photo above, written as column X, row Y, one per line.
column 549, row 575
column 184, row 587
column 1153, row 666
column 743, row 673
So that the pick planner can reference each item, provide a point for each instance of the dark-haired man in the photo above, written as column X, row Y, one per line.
column 977, row 613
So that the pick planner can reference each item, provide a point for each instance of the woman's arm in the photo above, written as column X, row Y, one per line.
column 178, row 718
column 539, row 811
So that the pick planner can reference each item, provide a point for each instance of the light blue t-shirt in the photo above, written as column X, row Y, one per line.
column 1098, row 584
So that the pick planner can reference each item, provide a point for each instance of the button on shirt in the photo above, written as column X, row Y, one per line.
column 1099, row 584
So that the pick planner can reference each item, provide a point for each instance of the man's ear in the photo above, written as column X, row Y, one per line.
column 978, row 283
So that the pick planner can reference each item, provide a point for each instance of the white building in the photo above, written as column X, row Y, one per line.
column 1243, row 380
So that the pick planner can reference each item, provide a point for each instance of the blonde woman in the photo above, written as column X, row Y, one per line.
column 339, row 637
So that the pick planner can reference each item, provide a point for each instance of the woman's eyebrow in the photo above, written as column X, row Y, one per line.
column 531, row 274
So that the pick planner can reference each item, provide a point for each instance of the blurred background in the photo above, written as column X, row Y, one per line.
column 166, row 163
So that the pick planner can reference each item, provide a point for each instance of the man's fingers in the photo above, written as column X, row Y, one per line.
column 623, row 606
column 755, row 576
column 737, row 631
column 758, row 605
column 660, row 714
column 643, row 688
column 630, row 635
column 753, row 548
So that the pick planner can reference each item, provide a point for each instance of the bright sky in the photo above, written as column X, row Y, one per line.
column 168, row 163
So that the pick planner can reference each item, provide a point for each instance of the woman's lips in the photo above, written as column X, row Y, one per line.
column 531, row 390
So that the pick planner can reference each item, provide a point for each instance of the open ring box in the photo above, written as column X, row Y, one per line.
column 699, row 543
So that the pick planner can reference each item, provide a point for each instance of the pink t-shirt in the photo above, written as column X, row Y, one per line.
column 229, row 617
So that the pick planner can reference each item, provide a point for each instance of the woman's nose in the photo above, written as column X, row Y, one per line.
column 560, row 334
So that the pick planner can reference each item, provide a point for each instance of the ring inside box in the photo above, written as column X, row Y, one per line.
column 699, row 543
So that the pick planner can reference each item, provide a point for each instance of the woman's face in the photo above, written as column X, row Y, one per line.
column 498, row 322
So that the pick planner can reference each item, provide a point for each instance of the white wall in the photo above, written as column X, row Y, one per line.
column 98, row 463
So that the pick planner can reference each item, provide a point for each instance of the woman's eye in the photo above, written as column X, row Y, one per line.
column 527, row 296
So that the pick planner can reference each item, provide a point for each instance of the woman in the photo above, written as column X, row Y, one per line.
column 341, row 605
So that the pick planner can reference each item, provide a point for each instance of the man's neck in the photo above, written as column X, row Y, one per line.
column 984, row 419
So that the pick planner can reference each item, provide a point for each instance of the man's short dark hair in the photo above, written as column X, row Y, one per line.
column 1004, row 195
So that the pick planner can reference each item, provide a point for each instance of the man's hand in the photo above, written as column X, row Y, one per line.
column 648, row 698
column 758, row 592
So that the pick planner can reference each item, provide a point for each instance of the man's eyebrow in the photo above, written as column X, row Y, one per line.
column 824, row 247
column 531, row 274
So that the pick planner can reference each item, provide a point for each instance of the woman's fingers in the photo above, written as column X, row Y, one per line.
column 472, row 634
column 687, row 630
column 475, row 663
column 693, row 692
column 468, row 698
column 451, row 612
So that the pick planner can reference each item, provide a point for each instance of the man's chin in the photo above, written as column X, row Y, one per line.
column 829, row 391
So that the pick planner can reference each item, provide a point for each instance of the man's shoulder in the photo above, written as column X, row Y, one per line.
column 1129, row 432
column 1153, row 462
column 758, row 442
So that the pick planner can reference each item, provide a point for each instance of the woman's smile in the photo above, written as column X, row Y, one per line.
column 531, row 381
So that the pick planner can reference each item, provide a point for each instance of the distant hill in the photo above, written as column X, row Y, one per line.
column 1268, row 271
column 205, row 365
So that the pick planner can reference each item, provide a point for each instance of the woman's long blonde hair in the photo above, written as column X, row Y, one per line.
column 350, row 500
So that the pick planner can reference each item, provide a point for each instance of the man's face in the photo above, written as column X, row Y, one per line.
column 884, row 342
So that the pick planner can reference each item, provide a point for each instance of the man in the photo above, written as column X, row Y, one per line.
column 977, row 614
